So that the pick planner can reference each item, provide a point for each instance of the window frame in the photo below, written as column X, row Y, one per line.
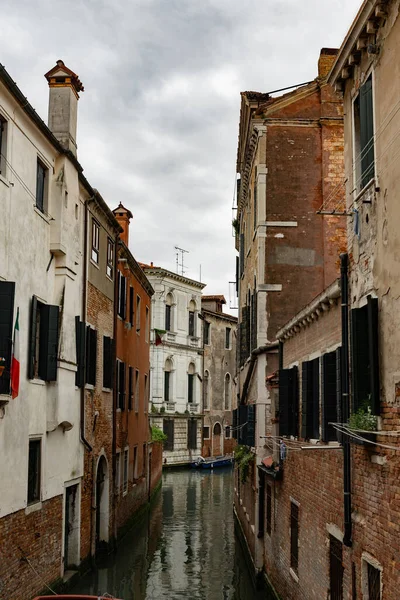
column 147, row 324
column 137, row 390
column 361, row 180
column 41, row 194
column 268, row 509
column 204, row 435
column 3, row 145
column 228, row 338
column 191, row 327
column 206, row 333
column 125, row 472
column 138, row 313
column 95, row 242
column 117, row 474
column 110, row 259
column 38, row 471
column 227, row 390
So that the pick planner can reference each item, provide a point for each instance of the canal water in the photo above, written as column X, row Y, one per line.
column 184, row 548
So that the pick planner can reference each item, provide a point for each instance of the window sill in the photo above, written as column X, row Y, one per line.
column 42, row 215
column 4, row 399
column 95, row 264
column 110, row 278
column 35, row 506
column 107, row 390
column 89, row 386
column 37, row 381
column 4, row 180
column 293, row 574
column 366, row 187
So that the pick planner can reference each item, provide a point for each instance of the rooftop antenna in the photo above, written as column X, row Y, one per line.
column 180, row 265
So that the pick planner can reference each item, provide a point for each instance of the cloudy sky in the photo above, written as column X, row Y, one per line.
column 158, row 121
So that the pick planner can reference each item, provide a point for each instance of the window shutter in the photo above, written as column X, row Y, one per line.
column 91, row 355
column 7, row 294
column 80, row 330
column 48, row 345
column 107, row 362
column 168, row 429
column 339, row 413
column 234, row 423
column 241, row 255
column 123, row 297
column 294, row 402
column 373, row 350
column 306, row 400
column 192, row 434
column 237, row 275
column 251, row 425
column 284, row 391
column 242, row 432
column 315, row 398
column 122, row 385
column 329, row 396
column 360, row 378
column 366, row 133
column 254, row 320
column 32, row 339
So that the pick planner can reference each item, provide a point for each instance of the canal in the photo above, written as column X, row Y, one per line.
column 184, row 548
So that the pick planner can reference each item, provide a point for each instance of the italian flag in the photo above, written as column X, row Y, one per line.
column 159, row 333
column 15, row 360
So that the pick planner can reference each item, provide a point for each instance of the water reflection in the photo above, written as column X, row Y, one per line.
column 185, row 548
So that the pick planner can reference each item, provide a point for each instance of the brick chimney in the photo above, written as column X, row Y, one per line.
column 123, row 216
column 326, row 59
column 64, row 91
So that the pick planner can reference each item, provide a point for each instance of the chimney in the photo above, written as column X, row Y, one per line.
column 326, row 59
column 64, row 87
column 123, row 216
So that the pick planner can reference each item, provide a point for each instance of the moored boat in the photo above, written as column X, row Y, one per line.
column 212, row 463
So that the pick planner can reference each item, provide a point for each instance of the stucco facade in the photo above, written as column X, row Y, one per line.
column 176, row 358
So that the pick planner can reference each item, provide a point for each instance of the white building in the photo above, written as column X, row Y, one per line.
column 176, row 362
column 41, row 269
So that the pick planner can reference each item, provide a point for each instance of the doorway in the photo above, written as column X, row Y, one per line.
column 71, row 527
column 217, row 451
column 102, row 504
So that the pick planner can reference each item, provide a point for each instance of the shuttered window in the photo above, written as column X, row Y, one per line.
column 241, row 254
column 40, row 185
column 108, row 361
column 289, row 402
column 34, row 470
column 329, row 396
column 131, row 305
column 130, row 388
column 191, row 323
column 121, row 385
column 121, row 296
column 269, row 509
column 253, row 319
column 365, row 357
column 190, row 387
column 234, row 423
column 168, row 308
column 168, row 429
column 294, row 537
column 43, row 341
column 310, row 400
column 251, row 425
column 206, row 332
column 91, row 355
column 244, row 335
column 335, row 568
column 366, row 132
column 192, row 434
column 80, row 345
column 7, row 294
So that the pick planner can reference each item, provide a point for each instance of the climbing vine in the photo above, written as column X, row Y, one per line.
column 243, row 457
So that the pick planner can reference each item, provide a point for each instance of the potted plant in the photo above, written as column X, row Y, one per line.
column 364, row 425
column 2, row 365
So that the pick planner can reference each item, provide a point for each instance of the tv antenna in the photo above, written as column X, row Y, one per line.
column 180, row 265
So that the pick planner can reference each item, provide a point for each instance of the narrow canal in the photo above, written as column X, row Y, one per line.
column 184, row 548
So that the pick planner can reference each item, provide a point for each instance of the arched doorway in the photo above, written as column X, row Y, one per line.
column 217, row 450
column 102, row 504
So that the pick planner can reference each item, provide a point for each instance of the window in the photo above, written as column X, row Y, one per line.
column 310, row 400
column 135, row 463
column 146, row 392
column 192, row 327
column 137, row 314
column 206, row 433
column 168, row 429
column 34, row 468
column 206, row 333
column 126, row 465
column 168, row 312
column 117, row 478
column 227, row 392
column 294, row 537
column 255, row 207
column 131, row 305
column 95, row 241
column 206, row 390
column 120, row 385
column 244, row 424
column 137, row 381
column 43, row 341
column 289, row 402
column 335, row 568
column 40, row 186
column 91, row 355
column 167, row 380
column 217, row 429
column 108, row 362
column 371, row 578
column 228, row 338
column 130, row 388
column 7, row 294
column 110, row 258
column 364, row 135
column 147, row 324
column 3, row 146
column 331, row 394
column 121, row 309
column 191, row 383
column 228, row 432
column 192, row 434
column 269, row 509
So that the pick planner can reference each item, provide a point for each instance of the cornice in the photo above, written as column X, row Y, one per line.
column 160, row 272
column 135, row 268
column 222, row 316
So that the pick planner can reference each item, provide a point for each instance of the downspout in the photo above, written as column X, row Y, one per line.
column 344, row 262
column 84, row 301
column 114, row 396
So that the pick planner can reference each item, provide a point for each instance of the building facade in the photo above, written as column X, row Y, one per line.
column 290, row 159
column 176, row 358
column 219, row 389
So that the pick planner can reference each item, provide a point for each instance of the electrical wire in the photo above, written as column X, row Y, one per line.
column 351, row 433
column 26, row 559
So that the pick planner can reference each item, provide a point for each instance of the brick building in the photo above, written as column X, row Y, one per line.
column 137, row 467
column 219, row 389
column 290, row 159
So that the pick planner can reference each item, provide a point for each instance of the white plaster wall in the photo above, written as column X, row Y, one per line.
column 25, row 238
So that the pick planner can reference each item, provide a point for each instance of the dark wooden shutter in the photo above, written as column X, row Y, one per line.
column 254, row 320
column 366, row 132
column 32, row 338
column 315, row 398
column 130, row 388
column 131, row 305
column 242, row 432
column 360, row 377
column 261, row 504
column 122, row 385
column 167, row 317
column 192, row 434
column 241, row 255
column 107, row 362
column 339, row 409
column 48, row 345
column 329, row 396
column 251, row 425
column 190, row 387
column 237, row 276
column 306, row 400
column 123, row 297
column 7, row 294
column 285, row 376
column 168, row 429
column 294, row 402
column 91, row 355
column 234, row 423
column 80, row 344
column 373, row 351
column 335, row 568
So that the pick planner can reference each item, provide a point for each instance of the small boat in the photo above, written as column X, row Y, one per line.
column 212, row 462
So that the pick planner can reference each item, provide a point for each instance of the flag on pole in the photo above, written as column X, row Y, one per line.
column 15, row 360
column 159, row 333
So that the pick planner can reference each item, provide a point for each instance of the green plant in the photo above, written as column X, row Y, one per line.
column 363, row 420
column 243, row 457
column 157, row 435
column 236, row 225
column 162, row 409
column 154, row 409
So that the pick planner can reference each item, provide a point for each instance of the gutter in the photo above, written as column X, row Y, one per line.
column 344, row 263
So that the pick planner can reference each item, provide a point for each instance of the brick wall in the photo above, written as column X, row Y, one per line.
column 156, row 465
column 37, row 536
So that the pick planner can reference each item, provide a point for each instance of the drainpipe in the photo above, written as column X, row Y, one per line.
column 344, row 262
column 114, row 395
column 84, row 300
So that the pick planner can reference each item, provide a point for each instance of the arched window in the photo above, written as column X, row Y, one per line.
column 206, row 390
column 167, row 380
column 192, row 322
column 217, row 429
column 191, row 373
column 227, row 392
column 168, row 312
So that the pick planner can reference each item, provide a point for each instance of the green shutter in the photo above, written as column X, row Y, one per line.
column 373, row 350
column 32, row 338
column 366, row 132
column 7, row 293
column 48, row 344
column 360, row 365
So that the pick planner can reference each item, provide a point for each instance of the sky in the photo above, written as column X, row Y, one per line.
column 158, row 120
